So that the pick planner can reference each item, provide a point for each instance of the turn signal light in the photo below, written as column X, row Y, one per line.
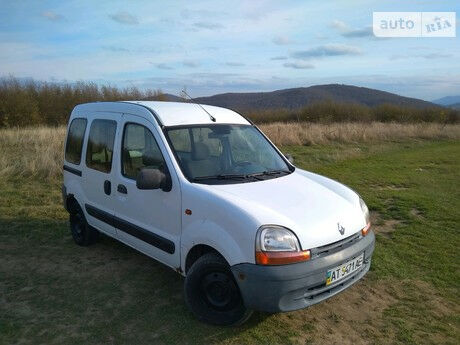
column 366, row 229
column 281, row 258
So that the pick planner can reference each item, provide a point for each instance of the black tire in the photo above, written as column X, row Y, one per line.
column 212, row 294
column 83, row 234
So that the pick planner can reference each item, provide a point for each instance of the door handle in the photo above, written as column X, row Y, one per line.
column 107, row 187
column 122, row 189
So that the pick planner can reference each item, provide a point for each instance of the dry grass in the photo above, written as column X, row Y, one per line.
column 38, row 151
column 34, row 151
column 295, row 133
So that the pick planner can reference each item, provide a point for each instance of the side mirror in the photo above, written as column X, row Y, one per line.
column 150, row 179
column 289, row 158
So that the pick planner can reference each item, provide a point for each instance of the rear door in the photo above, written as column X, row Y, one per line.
column 99, row 172
column 148, row 220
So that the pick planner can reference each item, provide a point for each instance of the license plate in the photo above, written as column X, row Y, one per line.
column 344, row 270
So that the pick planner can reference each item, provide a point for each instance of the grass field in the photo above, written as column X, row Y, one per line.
column 54, row 292
column 37, row 151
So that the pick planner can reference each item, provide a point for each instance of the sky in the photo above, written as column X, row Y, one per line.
column 212, row 47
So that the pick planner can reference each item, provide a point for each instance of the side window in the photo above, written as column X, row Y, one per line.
column 74, row 144
column 100, row 145
column 139, row 150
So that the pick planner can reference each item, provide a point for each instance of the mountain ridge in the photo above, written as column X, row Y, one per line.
column 295, row 98
column 448, row 101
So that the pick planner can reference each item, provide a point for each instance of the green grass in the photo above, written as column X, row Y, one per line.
column 52, row 291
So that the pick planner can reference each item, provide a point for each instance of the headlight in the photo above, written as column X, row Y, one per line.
column 277, row 239
column 276, row 245
column 365, row 210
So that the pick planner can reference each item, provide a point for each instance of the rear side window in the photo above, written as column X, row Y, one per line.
column 74, row 143
column 140, row 150
column 100, row 145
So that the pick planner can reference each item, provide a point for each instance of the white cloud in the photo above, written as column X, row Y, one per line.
column 124, row 18
column 281, row 40
column 298, row 65
column 346, row 31
column 115, row 49
column 162, row 66
column 428, row 56
column 190, row 63
column 208, row 25
column 338, row 24
column 52, row 16
column 277, row 58
column 327, row 50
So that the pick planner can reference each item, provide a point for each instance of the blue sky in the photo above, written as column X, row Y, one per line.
column 225, row 46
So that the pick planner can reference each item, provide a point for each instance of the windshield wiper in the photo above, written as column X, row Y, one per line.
column 269, row 173
column 221, row 177
column 241, row 176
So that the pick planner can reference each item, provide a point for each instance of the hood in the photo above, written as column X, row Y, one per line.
column 310, row 205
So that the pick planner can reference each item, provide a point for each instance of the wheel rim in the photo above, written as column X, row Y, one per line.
column 219, row 291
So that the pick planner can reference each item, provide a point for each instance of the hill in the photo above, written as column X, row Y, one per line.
column 448, row 101
column 168, row 97
column 303, row 96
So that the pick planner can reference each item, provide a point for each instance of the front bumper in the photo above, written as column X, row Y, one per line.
column 300, row 285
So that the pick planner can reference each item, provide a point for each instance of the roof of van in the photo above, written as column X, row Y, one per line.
column 177, row 113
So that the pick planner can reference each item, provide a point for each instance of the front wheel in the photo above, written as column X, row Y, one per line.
column 212, row 293
column 83, row 234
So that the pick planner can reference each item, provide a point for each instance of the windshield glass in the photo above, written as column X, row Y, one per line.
column 225, row 152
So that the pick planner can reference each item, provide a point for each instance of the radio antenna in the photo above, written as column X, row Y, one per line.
column 183, row 92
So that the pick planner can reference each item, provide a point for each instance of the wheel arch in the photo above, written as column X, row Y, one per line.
column 202, row 237
column 71, row 204
column 196, row 252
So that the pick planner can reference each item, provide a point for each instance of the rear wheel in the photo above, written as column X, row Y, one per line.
column 83, row 234
column 212, row 293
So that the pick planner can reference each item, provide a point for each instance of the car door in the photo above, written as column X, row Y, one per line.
column 99, row 172
column 149, row 220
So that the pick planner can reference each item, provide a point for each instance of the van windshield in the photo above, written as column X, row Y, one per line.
column 216, row 154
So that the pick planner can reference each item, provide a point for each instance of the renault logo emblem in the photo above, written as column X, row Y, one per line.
column 340, row 228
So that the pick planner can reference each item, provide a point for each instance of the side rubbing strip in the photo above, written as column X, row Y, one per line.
column 72, row 170
column 145, row 235
column 131, row 229
column 101, row 215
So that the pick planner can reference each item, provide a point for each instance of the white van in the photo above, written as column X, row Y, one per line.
column 202, row 190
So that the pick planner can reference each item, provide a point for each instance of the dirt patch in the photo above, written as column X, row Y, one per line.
column 416, row 213
column 394, row 187
column 383, row 226
column 348, row 318
column 357, row 316
column 387, row 227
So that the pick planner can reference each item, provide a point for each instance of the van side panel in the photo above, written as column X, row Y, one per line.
column 217, row 223
column 76, row 177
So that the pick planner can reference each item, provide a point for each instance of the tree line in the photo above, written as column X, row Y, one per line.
column 29, row 103
column 330, row 111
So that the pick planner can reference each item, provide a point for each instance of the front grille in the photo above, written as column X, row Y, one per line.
column 336, row 246
column 322, row 291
